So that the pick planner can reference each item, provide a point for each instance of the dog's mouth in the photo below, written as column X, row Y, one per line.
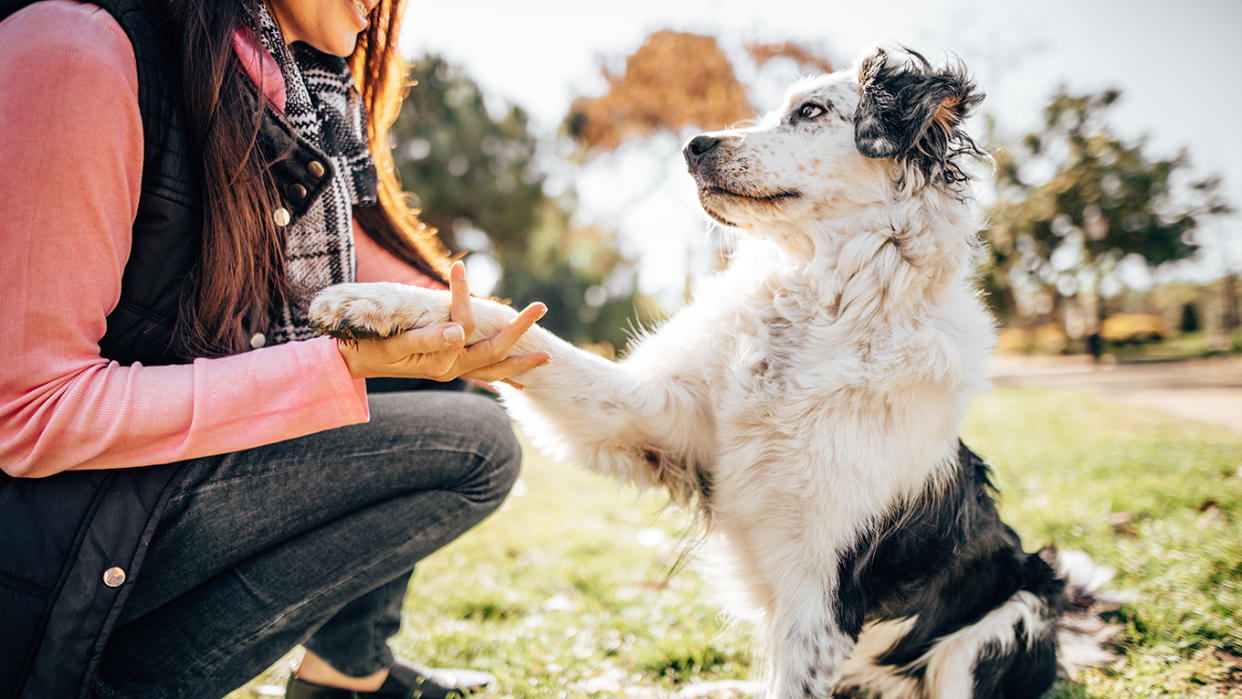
column 766, row 198
column 713, row 196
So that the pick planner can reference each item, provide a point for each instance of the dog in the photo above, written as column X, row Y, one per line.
column 807, row 404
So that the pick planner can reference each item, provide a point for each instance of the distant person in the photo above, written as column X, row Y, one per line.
column 196, row 481
column 1095, row 346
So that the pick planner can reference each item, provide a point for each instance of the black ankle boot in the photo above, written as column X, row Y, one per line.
column 405, row 681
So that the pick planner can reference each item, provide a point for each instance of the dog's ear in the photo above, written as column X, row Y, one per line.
column 909, row 108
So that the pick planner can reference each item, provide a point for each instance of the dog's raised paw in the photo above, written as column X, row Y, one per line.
column 372, row 310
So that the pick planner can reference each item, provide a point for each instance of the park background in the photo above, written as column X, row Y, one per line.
column 543, row 140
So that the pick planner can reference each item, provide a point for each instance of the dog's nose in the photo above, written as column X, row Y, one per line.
column 698, row 147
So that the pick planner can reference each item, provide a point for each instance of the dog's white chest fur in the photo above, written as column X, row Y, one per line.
column 822, row 419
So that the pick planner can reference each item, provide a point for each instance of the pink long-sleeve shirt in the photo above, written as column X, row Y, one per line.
column 70, row 172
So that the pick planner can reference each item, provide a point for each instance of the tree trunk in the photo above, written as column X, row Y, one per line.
column 1229, row 304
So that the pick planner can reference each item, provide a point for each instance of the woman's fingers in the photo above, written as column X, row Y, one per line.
column 440, row 351
column 497, row 347
column 431, row 339
column 512, row 366
column 459, row 307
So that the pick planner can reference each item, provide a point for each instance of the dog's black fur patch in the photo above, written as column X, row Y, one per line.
column 947, row 558
column 913, row 111
column 1005, row 674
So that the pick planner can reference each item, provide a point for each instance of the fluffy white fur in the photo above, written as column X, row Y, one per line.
column 816, row 383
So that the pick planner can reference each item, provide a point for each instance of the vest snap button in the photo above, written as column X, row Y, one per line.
column 316, row 168
column 297, row 191
column 114, row 576
column 281, row 216
column 257, row 340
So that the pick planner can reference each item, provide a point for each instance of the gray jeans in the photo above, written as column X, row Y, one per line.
column 308, row 541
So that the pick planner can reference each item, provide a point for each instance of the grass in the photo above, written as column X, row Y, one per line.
column 1182, row 346
column 1050, row 340
column 565, row 592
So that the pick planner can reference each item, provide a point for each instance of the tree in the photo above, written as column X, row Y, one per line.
column 1073, row 200
column 477, row 180
column 673, row 81
column 470, row 170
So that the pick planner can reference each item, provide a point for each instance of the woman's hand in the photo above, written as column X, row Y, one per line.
column 440, row 352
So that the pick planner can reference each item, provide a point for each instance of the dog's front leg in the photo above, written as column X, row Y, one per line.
column 627, row 420
column 639, row 421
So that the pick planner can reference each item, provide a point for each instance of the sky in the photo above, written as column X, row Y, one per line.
column 1177, row 64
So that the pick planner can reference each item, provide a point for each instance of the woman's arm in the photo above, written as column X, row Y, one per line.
column 70, row 174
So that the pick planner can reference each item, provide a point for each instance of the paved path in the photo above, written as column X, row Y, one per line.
column 1209, row 390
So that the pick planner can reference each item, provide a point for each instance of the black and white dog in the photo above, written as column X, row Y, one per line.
column 808, row 404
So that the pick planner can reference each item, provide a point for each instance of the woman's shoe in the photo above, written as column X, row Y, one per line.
column 405, row 681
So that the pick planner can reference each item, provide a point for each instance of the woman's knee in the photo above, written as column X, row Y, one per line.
column 500, row 453
column 452, row 441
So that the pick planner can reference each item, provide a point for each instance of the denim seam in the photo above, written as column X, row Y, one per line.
column 217, row 483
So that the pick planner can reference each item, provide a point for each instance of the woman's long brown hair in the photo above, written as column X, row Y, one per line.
column 241, row 275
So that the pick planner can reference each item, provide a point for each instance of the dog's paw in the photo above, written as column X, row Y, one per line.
column 376, row 309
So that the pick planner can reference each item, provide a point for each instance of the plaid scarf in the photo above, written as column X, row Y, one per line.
column 324, row 108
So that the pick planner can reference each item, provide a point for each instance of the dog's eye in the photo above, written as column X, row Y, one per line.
column 810, row 110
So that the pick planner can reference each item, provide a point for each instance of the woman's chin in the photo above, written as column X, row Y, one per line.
column 342, row 46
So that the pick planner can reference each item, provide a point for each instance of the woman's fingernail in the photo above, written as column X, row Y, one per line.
column 454, row 334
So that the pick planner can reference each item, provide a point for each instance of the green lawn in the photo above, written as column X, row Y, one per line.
column 1182, row 346
column 567, row 589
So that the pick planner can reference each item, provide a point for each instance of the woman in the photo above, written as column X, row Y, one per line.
column 177, row 177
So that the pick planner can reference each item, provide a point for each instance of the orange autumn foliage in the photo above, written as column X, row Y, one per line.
column 673, row 80
column 806, row 58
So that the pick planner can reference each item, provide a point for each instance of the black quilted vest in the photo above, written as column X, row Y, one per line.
column 168, row 226
column 71, row 545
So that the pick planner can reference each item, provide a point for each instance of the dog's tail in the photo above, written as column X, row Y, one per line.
column 1084, row 637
